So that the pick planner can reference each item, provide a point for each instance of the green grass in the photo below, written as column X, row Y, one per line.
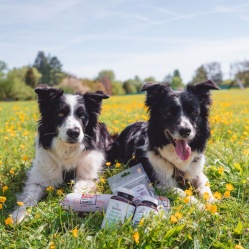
column 51, row 227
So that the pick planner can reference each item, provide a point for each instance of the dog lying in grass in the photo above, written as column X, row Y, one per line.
column 70, row 141
column 171, row 144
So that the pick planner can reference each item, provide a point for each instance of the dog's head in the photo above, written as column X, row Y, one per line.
column 66, row 116
column 179, row 114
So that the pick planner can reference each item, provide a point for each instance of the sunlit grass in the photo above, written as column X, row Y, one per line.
column 224, row 224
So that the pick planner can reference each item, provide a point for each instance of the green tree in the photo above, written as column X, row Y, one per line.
column 150, row 79
column 50, row 68
column 3, row 68
column 106, row 73
column 130, row 86
column 117, row 88
column 30, row 79
column 176, row 81
column 200, row 75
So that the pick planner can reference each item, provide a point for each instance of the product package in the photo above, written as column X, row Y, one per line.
column 86, row 202
column 136, row 179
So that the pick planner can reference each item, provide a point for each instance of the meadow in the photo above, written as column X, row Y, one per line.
column 224, row 224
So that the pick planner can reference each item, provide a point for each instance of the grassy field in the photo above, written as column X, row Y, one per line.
column 224, row 224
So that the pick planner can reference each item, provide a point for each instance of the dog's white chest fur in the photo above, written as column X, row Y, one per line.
column 164, row 164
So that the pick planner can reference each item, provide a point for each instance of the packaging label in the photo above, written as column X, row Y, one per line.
column 143, row 211
column 117, row 211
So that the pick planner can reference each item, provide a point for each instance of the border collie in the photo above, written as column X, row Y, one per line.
column 70, row 141
column 171, row 144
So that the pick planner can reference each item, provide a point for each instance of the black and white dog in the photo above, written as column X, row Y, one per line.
column 171, row 144
column 70, row 141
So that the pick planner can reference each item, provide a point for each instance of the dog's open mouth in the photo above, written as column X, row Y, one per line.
column 183, row 150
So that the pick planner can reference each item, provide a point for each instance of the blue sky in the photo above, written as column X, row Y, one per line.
column 142, row 37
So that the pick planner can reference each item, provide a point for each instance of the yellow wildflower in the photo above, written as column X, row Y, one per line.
column 217, row 195
column 213, row 209
column 22, row 146
column 5, row 188
column 52, row 246
column 206, row 196
column 19, row 203
column 207, row 184
column 136, row 237
column 178, row 215
column 1, row 206
column 188, row 192
column 50, row 188
column 173, row 219
column 141, row 222
column 229, row 187
column 221, row 169
column 2, row 199
column 238, row 247
column 59, row 192
column 227, row 194
column 12, row 172
column 108, row 164
column 102, row 179
column 25, row 158
column 118, row 165
column 75, row 232
column 8, row 221
column 186, row 199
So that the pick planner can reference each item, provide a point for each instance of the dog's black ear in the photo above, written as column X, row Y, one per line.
column 94, row 100
column 47, row 93
column 203, row 87
column 154, row 90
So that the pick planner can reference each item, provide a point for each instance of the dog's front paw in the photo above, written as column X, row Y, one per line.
column 19, row 215
column 85, row 186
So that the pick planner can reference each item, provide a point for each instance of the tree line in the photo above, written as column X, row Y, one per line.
column 18, row 83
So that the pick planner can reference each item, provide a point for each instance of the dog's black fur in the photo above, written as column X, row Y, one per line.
column 177, row 119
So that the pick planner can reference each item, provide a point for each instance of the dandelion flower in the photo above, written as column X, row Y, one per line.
column 213, row 209
column 206, row 196
column 178, row 215
column 1, row 206
column 207, row 184
column 12, row 172
column 221, row 170
column 75, row 232
column 238, row 247
column 186, row 199
column 188, row 192
column 59, row 192
column 227, row 194
column 22, row 146
column 5, row 188
column 141, row 222
column 8, row 221
column 20, row 203
column 102, row 179
column 229, row 187
column 173, row 219
column 217, row 195
column 25, row 158
column 136, row 237
column 50, row 188
column 2, row 199
column 118, row 165
column 108, row 164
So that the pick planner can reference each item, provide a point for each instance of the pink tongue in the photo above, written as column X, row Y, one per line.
column 182, row 149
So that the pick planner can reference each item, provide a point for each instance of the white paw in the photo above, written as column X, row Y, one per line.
column 85, row 186
column 19, row 214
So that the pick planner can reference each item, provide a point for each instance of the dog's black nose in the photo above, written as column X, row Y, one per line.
column 74, row 132
column 184, row 132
